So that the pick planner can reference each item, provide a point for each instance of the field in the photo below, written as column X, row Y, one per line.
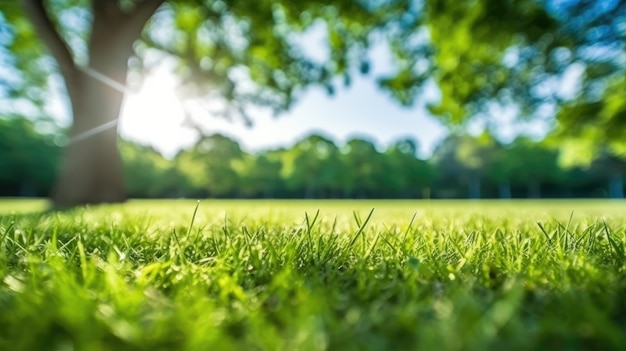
column 314, row 275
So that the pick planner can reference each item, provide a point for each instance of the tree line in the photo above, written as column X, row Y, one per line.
column 461, row 166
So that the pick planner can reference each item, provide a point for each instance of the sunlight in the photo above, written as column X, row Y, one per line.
column 154, row 115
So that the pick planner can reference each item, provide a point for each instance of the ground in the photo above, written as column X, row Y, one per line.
column 313, row 275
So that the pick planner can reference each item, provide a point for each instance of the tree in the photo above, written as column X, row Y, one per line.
column 245, row 53
column 147, row 173
column 492, row 51
column 407, row 176
column 365, row 169
column 259, row 175
column 537, row 165
column 465, row 159
column 312, row 166
column 448, row 167
column 566, row 61
column 91, row 170
column 525, row 163
column 210, row 166
column 610, row 168
column 502, row 169
column 28, row 157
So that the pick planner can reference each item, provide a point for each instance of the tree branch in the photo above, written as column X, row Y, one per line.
column 145, row 38
column 51, row 37
column 108, row 8
column 141, row 14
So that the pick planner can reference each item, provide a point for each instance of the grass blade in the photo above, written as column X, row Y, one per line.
column 619, row 250
column 193, row 217
column 544, row 233
column 357, row 218
column 406, row 232
column 310, row 224
column 361, row 228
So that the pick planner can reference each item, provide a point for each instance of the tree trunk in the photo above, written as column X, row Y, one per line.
column 504, row 190
column 474, row 187
column 91, row 169
column 616, row 187
column 534, row 190
column 309, row 191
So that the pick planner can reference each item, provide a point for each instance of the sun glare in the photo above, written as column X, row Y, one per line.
column 154, row 115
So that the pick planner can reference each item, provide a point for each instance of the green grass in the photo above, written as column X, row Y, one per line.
column 279, row 275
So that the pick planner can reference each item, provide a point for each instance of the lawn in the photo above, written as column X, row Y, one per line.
column 314, row 275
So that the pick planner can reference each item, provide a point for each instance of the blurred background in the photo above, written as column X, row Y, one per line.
column 399, row 99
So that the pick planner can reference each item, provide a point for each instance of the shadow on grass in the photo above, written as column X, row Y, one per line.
column 15, row 209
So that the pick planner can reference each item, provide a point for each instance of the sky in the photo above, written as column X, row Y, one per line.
column 154, row 116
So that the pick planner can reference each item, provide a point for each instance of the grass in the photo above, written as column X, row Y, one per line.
column 313, row 275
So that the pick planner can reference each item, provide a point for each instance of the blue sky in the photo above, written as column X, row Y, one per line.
column 358, row 111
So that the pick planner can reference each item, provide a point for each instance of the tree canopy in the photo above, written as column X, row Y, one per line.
column 243, row 53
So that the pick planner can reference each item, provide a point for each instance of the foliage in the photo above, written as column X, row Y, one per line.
column 473, row 43
column 210, row 166
column 259, row 175
column 405, row 174
column 277, row 275
column 594, row 119
column 588, row 128
column 313, row 164
column 239, row 54
column 477, row 52
column 147, row 173
column 464, row 159
column 29, row 155
column 316, row 167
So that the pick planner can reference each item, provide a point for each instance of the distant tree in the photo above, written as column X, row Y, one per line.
column 210, row 166
column 147, row 173
column 259, row 175
column 611, row 169
column 502, row 168
column 465, row 160
column 536, row 165
column 28, row 157
column 407, row 176
column 448, row 168
column 365, row 169
column 525, row 163
column 312, row 166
